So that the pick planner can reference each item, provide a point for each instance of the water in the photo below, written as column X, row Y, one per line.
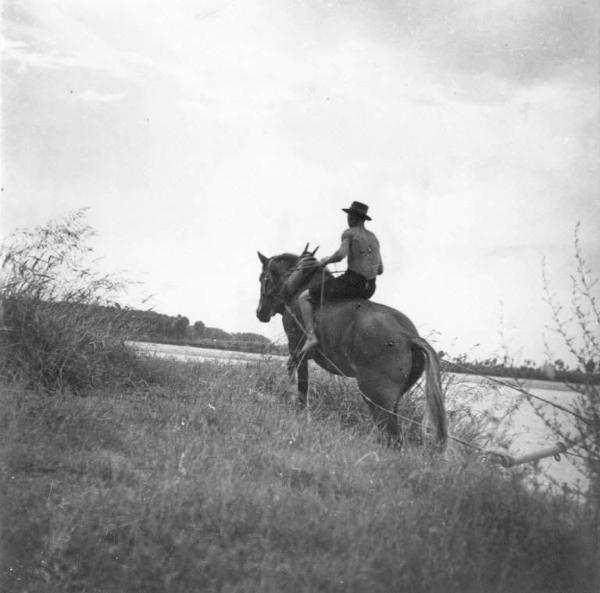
column 514, row 425
column 517, row 428
column 192, row 353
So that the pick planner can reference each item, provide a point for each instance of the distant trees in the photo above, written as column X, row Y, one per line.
column 251, row 337
column 558, row 371
column 152, row 325
column 158, row 327
column 215, row 333
column 180, row 326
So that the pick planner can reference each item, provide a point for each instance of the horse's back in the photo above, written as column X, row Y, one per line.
column 362, row 334
column 367, row 317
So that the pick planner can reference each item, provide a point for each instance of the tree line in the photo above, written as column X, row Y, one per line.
column 588, row 373
column 158, row 327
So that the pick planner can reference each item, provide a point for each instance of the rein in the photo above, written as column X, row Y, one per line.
column 277, row 289
column 274, row 292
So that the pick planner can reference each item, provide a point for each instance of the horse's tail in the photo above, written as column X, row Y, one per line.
column 433, row 391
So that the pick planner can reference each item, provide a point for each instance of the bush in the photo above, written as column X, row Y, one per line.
column 64, row 327
column 578, row 325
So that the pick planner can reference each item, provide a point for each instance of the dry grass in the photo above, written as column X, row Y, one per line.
column 175, row 477
column 65, row 330
column 205, row 480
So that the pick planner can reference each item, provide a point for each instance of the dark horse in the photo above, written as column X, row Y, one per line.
column 377, row 345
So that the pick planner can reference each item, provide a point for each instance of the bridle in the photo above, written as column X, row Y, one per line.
column 270, row 289
column 276, row 291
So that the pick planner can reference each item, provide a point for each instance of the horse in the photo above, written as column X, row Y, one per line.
column 376, row 344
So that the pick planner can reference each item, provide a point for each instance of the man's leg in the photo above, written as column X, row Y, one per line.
column 306, row 308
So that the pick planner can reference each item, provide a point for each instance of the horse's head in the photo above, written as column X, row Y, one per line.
column 272, row 279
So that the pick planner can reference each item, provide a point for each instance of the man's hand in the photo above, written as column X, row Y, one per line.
column 308, row 262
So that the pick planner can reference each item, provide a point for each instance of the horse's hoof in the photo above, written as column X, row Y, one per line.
column 301, row 404
column 288, row 397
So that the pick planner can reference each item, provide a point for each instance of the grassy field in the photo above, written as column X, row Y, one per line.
column 203, row 478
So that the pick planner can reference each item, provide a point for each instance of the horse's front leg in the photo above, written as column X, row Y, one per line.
column 302, row 381
column 298, row 374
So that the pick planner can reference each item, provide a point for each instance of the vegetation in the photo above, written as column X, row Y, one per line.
column 237, row 342
column 577, row 323
column 66, row 330
column 178, row 477
column 202, row 479
column 558, row 371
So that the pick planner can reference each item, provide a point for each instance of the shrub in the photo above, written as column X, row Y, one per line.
column 578, row 325
column 64, row 327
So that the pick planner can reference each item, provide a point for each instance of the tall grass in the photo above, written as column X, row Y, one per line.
column 205, row 480
column 577, row 324
column 65, row 328
column 180, row 477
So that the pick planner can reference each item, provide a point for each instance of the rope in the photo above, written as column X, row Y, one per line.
column 521, row 390
column 411, row 420
column 503, row 459
column 368, row 399
column 584, row 457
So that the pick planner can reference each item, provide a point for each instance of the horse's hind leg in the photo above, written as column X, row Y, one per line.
column 381, row 395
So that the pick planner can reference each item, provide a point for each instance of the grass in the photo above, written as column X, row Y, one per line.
column 66, row 329
column 202, row 478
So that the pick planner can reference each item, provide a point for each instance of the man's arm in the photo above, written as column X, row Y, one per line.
column 341, row 253
column 380, row 264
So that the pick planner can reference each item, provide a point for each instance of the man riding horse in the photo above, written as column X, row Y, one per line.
column 374, row 343
column 361, row 247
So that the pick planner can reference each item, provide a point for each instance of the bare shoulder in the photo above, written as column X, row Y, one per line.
column 373, row 236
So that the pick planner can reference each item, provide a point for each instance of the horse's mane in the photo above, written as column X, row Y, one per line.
column 306, row 279
column 288, row 258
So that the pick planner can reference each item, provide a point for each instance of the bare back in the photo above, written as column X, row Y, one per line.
column 364, row 256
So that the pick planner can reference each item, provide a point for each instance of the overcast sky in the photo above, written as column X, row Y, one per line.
column 198, row 132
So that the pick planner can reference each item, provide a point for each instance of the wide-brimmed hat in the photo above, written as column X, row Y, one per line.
column 359, row 209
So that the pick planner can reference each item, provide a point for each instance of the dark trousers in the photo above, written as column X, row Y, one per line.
column 349, row 285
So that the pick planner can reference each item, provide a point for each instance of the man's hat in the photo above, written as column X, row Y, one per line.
column 358, row 208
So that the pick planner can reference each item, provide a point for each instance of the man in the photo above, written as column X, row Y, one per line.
column 361, row 247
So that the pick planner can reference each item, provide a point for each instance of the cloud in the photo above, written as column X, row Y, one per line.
column 525, row 43
column 92, row 95
column 25, row 55
column 45, row 36
column 521, row 43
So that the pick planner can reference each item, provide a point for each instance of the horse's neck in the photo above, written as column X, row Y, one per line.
column 318, row 277
column 297, row 280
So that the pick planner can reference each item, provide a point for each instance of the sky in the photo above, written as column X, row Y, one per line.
column 198, row 132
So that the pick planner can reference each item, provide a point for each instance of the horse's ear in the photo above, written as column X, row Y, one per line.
column 263, row 259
